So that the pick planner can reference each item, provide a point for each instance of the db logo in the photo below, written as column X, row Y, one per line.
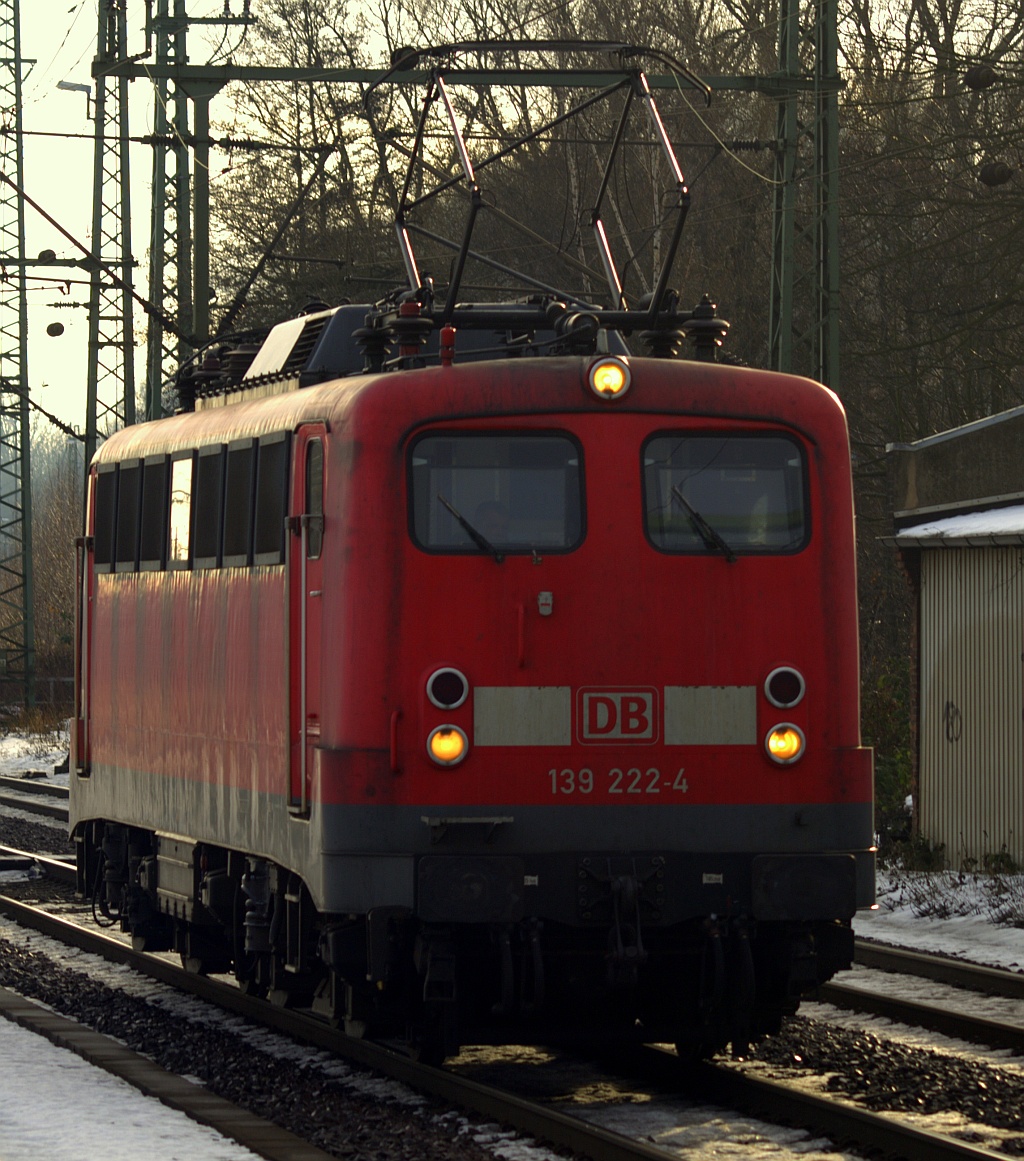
column 617, row 715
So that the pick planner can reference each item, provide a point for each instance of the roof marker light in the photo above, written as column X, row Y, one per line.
column 609, row 378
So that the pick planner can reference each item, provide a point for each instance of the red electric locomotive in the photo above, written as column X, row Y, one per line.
column 478, row 676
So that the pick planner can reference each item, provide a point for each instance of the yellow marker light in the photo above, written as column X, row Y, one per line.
column 447, row 745
column 785, row 743
column 609, row 378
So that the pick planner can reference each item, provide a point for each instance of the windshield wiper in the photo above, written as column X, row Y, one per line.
column 477, row 537
column 708, row 534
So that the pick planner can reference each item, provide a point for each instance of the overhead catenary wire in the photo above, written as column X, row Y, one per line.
column 93, row 258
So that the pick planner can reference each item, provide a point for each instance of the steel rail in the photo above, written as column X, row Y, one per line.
column 30, row 786
column 942, row 969
column 35, row 805
column 843, row 1123
column 771, row 1099
column 960, row 1025
column 544, row 1124
column 53, row 866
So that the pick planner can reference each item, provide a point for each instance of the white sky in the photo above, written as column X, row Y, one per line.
column 60, row 36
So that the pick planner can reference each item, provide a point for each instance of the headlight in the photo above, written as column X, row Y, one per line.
column 447, row 745
column 784, row 687
column 785, row 743
column 447, row 688
column 609, row 378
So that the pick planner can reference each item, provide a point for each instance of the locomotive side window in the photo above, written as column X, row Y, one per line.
column 208, row 502
column 129, row 487
column 705, row 492
column 153, row 532
column 181, row 510
column 512, row 492
column 105, row 506
column 238, row 499
column 315, row 498
column 271, row 499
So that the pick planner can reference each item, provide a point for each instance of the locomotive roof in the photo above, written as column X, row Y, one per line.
column 510, row 387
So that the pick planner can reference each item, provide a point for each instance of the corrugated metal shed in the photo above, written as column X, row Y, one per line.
column 971, row 697
column 960, row 529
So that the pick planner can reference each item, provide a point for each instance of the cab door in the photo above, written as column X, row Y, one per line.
column 305, row 588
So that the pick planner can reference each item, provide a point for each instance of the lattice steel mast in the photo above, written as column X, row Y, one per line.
column 804, row 290
column 804, row 316
column 110, row 379
column 170, row 247
column 179, row 282
column 17, row 634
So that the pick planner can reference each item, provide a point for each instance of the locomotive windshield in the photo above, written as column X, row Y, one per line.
column 517, row 492
column 739, row 494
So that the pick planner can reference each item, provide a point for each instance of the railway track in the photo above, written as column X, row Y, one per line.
column 52, row 866
column 943, row 1019
column 720, row 1084
column 941, row 969
column 35, row 797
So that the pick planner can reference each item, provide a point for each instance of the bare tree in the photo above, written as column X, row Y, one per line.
column 57, row 474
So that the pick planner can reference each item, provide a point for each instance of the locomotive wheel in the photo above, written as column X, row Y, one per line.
column 692, row 1052
column 435, row 1036
column 248, row 974
column 426, row 1048
column 200, row 952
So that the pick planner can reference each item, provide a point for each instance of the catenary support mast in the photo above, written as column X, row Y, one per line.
column 804, row 314
column 17, row 645
column 804, row 290
column 110, row 378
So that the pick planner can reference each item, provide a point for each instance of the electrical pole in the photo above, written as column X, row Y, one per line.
column 804, row 289
column 17, row 633
column 110, row 376
column 179, row 255
column 170, row 247
column 804, row 310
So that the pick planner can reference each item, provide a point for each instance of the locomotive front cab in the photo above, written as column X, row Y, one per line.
column 628, row 648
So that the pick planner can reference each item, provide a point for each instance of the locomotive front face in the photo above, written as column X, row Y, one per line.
column 623, row 653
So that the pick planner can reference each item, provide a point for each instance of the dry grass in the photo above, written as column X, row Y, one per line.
column 995, row 896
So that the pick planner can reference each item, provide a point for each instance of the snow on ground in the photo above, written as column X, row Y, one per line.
column 29, row 755
column 57, row 1106
column 970, row 935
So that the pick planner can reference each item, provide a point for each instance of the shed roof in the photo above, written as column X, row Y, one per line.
column 984, row 529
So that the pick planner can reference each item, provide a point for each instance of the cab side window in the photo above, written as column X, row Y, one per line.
column 315, row 498
column 208, row 502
